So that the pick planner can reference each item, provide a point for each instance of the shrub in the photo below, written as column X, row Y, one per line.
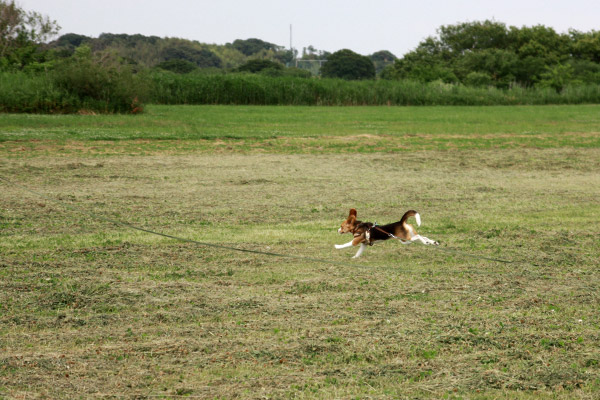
column 478, row 79
column 294, row 72
column 102, row 83
column 259, row 65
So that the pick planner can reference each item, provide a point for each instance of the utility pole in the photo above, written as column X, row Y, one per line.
column 294, row 61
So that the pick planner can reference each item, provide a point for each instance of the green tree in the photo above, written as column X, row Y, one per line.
column 586, row 71
column 349, row 65
column 203, row 58
column 21, row 33
column 474, row 52
column 66, row 44
column 557, row 77
column 586, row 46
column 472, row 36
column 430, row 61
column 382, row 59
column 498, row 64
column 71, row 40
column 250, row 47
column 537, row 48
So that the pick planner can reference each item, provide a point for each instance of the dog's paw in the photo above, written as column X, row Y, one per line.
column 436, row 243
column 338, row 246
column 355, row 256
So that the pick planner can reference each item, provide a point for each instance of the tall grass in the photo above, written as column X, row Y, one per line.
column 168, row 88
column 74, row 88
column 20, row 92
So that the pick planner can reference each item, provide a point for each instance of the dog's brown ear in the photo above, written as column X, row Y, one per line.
column 352, row 213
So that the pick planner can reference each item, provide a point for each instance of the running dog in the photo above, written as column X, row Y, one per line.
column 366, row 233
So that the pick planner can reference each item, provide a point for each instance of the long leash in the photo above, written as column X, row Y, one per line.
column 221, row 246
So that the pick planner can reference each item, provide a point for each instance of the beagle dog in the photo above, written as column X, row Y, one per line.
column 366, row 233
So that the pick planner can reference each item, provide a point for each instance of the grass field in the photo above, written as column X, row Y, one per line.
column 89, row 309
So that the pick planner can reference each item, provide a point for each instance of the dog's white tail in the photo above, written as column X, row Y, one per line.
column 411, row 213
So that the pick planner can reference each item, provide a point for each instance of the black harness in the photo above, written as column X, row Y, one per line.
column 370, row 235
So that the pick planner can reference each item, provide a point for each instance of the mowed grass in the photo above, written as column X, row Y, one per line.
column 309, row 129
column 91, row 309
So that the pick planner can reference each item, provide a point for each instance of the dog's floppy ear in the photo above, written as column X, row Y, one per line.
column 352, row 213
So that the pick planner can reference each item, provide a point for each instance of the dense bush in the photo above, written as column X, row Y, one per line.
column 102, row 82
column 259, row 65
column 177, row 66
column 81, row 83
column 291, row 72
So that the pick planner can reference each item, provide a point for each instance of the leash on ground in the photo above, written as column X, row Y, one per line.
column 220, row 246
column 462, row 253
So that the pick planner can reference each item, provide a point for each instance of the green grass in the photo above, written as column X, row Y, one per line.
column 89, row 309
column 310, row 129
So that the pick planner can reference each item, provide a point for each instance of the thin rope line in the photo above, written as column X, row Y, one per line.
column 454, row 251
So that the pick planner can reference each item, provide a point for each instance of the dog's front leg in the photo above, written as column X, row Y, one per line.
column 343, row 246
column 360, row 250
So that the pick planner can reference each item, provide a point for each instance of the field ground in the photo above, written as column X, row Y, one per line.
column 91, row 309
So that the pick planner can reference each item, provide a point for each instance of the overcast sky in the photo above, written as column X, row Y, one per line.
column 362, row 26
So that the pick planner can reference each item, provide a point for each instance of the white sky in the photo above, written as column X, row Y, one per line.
column 362, row 26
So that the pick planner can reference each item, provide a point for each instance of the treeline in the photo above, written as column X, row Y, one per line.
column 472, row 63
column 184, row 56
column 478, row 54
column 491, row 54
column 152, row 51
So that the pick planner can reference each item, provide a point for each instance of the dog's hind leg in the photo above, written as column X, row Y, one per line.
column 360, row 250
column 423, row 240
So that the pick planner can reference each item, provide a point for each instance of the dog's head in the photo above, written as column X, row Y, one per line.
column 349, row 224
